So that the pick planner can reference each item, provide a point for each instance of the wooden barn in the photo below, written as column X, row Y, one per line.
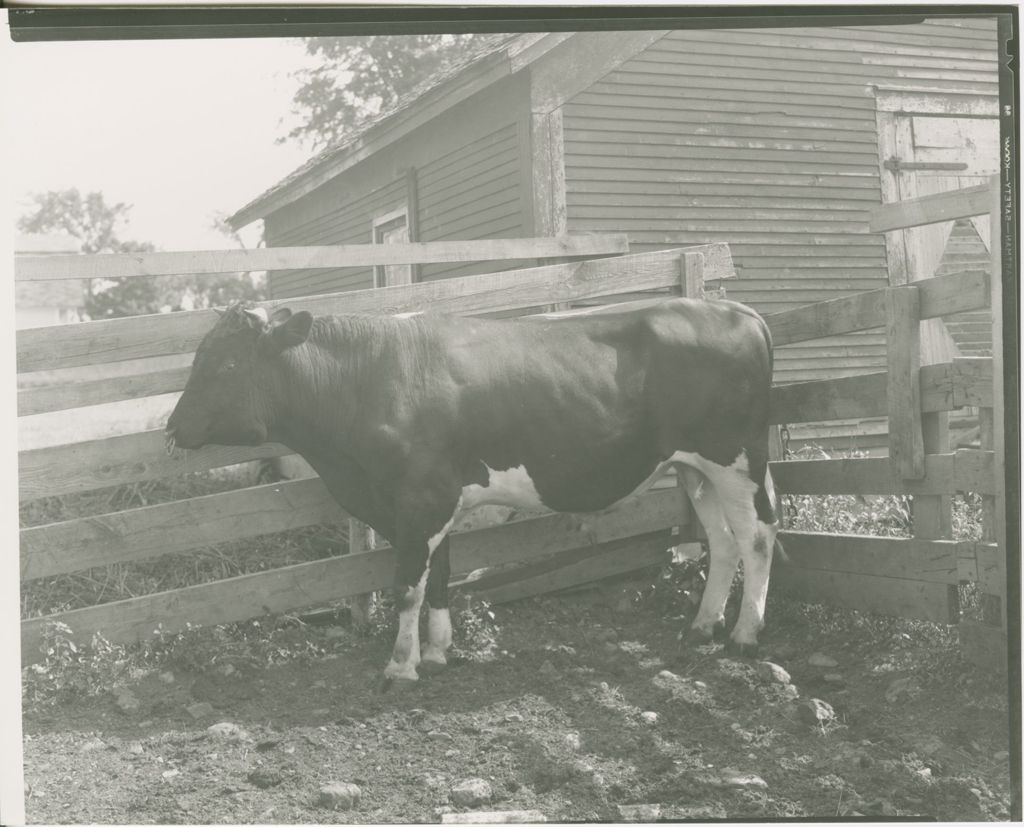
column 775, row 140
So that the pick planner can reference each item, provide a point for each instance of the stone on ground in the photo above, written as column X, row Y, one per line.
column 772, row 672
column 815, row 711
column 471, row 793
column 228, row 731
column 203, row 709
column 339, row 796
column 822, row 660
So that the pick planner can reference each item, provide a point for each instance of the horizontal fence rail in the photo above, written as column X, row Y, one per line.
column 205, row 262
column 157, row 335
column 929, row 209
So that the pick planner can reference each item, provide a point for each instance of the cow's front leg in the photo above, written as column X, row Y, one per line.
column 419, row 536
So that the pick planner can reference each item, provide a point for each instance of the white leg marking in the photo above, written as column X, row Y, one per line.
column 405, row 656
column 725, row 554
column 439, row 636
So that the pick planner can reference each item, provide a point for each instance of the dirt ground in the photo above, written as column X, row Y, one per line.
column 588, row 706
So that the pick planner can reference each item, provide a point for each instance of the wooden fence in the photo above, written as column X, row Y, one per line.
column 137, row 534
column 914, row 577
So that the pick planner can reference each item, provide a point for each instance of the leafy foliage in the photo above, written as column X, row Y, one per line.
column 358, row 77
column 99, row 225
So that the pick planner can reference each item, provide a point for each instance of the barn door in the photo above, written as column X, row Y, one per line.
column 932, row 142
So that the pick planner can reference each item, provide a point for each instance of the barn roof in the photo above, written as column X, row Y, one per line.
column 493, row 57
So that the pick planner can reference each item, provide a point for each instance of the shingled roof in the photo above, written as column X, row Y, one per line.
column 487, row 47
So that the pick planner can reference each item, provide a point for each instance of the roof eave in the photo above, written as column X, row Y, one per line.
column 485, row 72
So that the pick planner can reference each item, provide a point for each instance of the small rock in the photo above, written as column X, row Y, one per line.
column 451, row 753
column 548, row 668
column 649, row 718
column 639, row 812
column 790, row 691
column 92, row 745
column 228, row 731
column 170, row 773
column 471, row 793
column 513, row 718
column 925, row 773
column 264, row 778
column 573, row 740
column 768, row 671
column 166, row 677
column 815, row 711
column 735, row 778
column 339, row 796
column 900, row 687
column 135, row 748
column 833, row 677
column 203, row 709
column 822, row 660
column 1002, row 755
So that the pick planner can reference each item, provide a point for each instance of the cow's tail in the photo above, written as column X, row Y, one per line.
column 769, row 487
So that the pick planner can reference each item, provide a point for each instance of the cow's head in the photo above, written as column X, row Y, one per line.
column 229, row 397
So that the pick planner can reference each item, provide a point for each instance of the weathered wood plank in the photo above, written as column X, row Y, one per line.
column 574, row 568
column 173, row 527
column 967, row 381
column 307, row 584
column 920, row 599
column 141, row 336
column 850, row 397
column 903, row 391
column 222, row 601
column 830, row 318
column 933, row 514
column 939, row 296
column 963, row 470
column 96, row 392
column 930, row 209
column 889, row 557
column 528, row 539
column 203, row 262
column 86, row 466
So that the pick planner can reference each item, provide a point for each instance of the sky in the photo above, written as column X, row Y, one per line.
column 180, row 129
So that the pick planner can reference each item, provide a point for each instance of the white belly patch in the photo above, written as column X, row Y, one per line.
column 512, row 487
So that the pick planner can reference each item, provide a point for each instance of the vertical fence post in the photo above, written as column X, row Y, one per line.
column 903, row 390
column 985, row 643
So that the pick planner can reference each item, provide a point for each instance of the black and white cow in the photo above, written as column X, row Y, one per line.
column 408, row 419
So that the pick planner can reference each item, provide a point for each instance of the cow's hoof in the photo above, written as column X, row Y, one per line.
column 741, row 650
column 396, row 685
column 699, row 636
column 431, row 667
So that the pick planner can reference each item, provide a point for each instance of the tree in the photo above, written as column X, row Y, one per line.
column 88, row 218
column 362, row 76
column 98, row 224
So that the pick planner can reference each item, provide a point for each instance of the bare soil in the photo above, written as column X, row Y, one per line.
column 553, row 722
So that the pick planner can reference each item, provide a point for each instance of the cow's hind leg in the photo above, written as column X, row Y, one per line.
column 749, row 511
column 724, row 554
column 439, row 624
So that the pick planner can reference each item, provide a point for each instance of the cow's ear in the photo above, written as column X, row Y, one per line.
column 291, row 331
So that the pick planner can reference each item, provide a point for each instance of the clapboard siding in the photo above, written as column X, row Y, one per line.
column 765, row 139
column 474, row 191
column 468, row 167
column 348, row 224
